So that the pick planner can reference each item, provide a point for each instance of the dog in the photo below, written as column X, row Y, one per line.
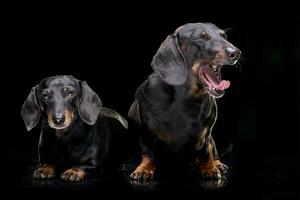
column 77, row 133
column 176, row 105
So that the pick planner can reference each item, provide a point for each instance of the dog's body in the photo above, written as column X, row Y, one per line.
column 77, row 133
column 176, row 105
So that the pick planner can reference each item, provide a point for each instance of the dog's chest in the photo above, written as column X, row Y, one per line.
column 182, row 122
column 173, row 114
column 77, row 150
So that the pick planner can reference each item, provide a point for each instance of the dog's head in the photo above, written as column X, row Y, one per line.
column 199, row 48
column 59, row 99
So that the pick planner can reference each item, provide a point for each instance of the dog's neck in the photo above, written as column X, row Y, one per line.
column 196, row 88
column 192, row 90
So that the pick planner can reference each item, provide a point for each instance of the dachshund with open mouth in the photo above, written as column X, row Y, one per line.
column 77, row 133
column 176, row 105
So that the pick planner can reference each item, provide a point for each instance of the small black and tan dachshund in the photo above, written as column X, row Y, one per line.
column 176, row 105
column 77, row 133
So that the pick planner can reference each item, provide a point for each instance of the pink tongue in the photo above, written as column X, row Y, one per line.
column 210, row 75
column 222, row 85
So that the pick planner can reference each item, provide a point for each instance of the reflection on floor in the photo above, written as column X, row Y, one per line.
column 260, row 177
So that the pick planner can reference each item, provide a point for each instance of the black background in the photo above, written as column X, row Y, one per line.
column 260, row 112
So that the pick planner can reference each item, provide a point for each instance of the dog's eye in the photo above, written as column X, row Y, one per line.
column 223, row 35
column 46, row 96
column 70, row 93
column 204, row 35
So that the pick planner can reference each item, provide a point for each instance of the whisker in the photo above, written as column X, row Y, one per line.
column 238, row 66
column 242, row 59
column 228, row 29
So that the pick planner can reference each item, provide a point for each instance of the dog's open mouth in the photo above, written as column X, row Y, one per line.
column 210, row 77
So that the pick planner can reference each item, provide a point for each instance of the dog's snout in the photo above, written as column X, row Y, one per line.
column 233, row 53
column 58, row 119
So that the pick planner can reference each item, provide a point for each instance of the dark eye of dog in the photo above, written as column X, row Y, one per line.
column 204, row 35
column 46, row 96
column 223, row 35
column 68, row 92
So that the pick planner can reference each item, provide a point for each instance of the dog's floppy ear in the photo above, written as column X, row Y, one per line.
column 169, row 62
column 90, row 104
column 30, row 111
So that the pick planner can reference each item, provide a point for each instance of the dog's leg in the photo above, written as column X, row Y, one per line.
column 45, row 171
column 47, row 155
column 146, row 169
column 221, row 166
column 207, row 163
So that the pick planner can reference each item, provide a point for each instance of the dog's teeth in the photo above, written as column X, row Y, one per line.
column 214, row 67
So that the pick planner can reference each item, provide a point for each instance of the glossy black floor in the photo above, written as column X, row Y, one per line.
column 259, row 177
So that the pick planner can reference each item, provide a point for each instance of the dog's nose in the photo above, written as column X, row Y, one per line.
column 233, row 53
column 58, row 118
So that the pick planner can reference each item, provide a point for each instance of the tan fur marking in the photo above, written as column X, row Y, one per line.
column 73, row 174
column 208, row 167
column 146, row 168
column 68, row 118
column 45, row 171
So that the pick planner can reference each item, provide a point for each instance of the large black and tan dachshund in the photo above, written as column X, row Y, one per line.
column 177, row 103
column 77, row 133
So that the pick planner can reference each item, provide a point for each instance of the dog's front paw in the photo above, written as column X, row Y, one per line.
column 145, row 170
column 210, row 173
column 143, row 173
column 73, row 174
column 221, row 166
column 45, row 171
